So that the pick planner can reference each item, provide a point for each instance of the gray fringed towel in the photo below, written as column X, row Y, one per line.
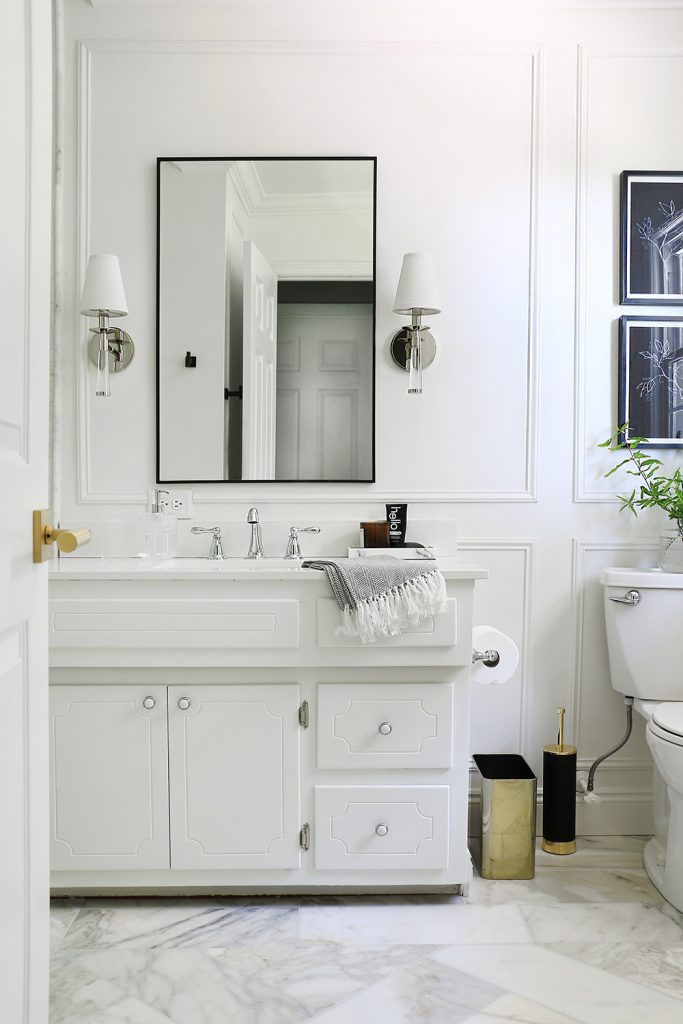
column 381, row 597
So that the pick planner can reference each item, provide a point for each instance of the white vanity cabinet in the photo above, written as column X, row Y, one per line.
column 109, row 777
column 234, row 776
column 210, row 731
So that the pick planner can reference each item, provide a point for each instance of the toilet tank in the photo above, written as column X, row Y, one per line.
column 645, row 640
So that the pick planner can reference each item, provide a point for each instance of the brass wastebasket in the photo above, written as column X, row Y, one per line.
column 508, row 816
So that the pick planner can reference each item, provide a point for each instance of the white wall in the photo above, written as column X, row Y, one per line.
column 500, row 136
column 192, row 243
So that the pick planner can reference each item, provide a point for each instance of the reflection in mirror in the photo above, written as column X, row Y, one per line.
column 265, row 319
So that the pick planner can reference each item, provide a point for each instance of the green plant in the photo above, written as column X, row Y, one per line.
column 655, row 489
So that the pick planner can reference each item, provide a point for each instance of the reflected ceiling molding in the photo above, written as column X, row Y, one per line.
column 258, row 202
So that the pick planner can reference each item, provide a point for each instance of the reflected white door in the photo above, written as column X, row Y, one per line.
column 324, row 391
column 259, row 366
column 25, row 220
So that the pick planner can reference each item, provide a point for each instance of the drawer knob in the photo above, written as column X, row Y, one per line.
column 385, row 728
column 382, row 830
column 184, row 703
column 148, row 703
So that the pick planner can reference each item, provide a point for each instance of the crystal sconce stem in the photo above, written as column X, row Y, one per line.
column 110, row 348
column 413, row 347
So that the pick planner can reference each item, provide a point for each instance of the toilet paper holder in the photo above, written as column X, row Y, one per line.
column 490, row 657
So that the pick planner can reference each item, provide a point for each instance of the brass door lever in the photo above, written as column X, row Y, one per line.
column 44, row 535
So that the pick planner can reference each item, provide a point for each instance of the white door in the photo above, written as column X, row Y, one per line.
column 324, row 391
column 25, row 220
column 109, row 760
column 234, row 776
column 259, row 366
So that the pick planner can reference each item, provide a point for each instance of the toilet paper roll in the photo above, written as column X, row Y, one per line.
column 487, row 638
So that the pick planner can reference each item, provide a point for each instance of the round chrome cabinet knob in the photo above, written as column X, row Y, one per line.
column 382, row 830
column 385, row 728
column 149, row 703
column 184, row 703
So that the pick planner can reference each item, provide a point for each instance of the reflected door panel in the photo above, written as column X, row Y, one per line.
column 258, row 368
column 324, row 393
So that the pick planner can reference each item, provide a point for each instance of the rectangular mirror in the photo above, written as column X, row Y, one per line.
column 265, row 319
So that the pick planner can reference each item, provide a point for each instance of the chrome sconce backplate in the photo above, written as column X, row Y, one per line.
column 400, row 348
column 120, row 346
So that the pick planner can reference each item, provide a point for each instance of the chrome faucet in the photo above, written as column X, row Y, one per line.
column 293, row 549
column 216, row 549
column 256, row 542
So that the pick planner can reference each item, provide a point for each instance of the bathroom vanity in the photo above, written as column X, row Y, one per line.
column 211, row 731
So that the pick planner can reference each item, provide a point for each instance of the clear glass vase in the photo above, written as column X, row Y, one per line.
column 671, row 549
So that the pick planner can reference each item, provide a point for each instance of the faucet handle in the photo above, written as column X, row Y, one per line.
column 216, row 550
column 293, row 547
column 253, row 516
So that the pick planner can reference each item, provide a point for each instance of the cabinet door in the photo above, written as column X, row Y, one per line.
column 234, row 776
column 109, row 777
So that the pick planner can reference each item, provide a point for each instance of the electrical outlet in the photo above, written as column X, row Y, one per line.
column 177, row 503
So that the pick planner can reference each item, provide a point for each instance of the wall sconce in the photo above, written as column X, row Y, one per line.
column 110, row 348
column 413, row 347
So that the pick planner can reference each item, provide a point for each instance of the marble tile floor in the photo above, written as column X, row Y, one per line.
column 588, row 941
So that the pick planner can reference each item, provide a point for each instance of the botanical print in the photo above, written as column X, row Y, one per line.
column 652, row 237
column 665, row 369
column 651, row 379
column 664, row 238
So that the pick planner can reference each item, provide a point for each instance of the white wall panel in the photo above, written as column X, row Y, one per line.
column 498, row 713
column 627, row 98
column 154, row 106
column 596, row 703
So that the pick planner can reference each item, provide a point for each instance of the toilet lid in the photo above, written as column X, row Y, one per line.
column 669, row 717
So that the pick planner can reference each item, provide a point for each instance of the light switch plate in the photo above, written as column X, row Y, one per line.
column 177, row 503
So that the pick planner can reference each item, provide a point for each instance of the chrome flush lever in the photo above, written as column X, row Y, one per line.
column 633, row 597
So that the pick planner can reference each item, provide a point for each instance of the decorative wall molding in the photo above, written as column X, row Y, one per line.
column 528, row 548
column 627, row 812
column 499, row 5
column 354, row 494
column 579, row 550
column 583, row 492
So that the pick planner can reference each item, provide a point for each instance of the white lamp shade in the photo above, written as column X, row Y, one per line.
column 103, row 288
column 417, row 288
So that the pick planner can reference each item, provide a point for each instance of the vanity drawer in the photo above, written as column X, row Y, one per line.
column 381, row 827
column 385, row 725
column 217, row 623
column 440, row 631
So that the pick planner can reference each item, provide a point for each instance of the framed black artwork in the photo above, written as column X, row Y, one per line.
column 651, row 262
column 651, row 379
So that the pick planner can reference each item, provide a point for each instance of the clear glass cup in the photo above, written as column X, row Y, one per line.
column 671, row 550
column 156, row 536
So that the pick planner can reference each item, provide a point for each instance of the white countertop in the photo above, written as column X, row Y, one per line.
column 239, row 569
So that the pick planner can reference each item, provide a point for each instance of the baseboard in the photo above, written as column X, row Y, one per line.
column 619, row 813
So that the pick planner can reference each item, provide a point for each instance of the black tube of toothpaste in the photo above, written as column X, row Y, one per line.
column 397, row 518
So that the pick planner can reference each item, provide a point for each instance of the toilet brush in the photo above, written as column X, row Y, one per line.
column 559, row 794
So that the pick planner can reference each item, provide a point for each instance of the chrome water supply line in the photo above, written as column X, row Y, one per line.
column 587, row 787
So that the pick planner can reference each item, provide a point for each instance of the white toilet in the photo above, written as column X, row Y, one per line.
column 644, row 620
